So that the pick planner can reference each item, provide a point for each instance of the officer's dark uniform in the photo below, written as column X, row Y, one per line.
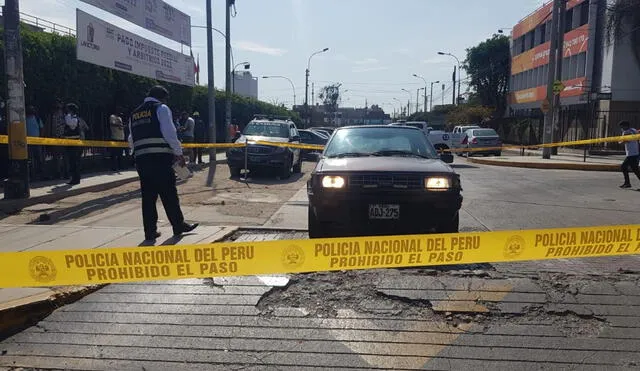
column 154, row 161
column 74, row 154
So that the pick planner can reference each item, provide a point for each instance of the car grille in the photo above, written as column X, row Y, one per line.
column 386, row 181
column 262, row 150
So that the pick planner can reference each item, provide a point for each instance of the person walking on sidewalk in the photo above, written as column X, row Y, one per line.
column 35, row 128
column 156, row 147
column 72, row 130
column 200, row 136
column 632, row 149
column 117, row 135
column 188, row 126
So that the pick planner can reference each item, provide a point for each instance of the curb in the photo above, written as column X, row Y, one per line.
column 19, row 314
column 12, row 206
column 550, row 166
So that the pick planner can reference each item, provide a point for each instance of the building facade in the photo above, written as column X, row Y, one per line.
column 245, row 84
column 601, row 76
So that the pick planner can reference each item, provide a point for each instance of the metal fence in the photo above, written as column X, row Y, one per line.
column 44, row 25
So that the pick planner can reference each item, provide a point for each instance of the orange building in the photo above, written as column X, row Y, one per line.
column 599, row 76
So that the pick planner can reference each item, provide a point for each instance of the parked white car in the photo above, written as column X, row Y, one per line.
column 458, row 133
column 441, row 140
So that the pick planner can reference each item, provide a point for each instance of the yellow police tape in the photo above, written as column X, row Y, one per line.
column 115, row 144
column 110, row 265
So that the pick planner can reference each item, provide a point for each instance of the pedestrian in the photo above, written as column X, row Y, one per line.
column 632, row 149
column 117, row 135
column 56, row 124
column 72, row 130
column 35, row 127
column 188, row 126
column 156, row 148
column 200, row 135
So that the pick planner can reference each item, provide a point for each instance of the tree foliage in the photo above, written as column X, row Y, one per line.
column 330, row 96
column 487, row 65
column 468, row 114
column 623, row 22
column 52, row 71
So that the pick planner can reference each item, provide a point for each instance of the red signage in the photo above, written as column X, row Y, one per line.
column 574, row 87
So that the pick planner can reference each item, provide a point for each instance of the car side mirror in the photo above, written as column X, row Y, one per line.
column 446, row 157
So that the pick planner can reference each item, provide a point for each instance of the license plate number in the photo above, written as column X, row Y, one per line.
column 384, row 212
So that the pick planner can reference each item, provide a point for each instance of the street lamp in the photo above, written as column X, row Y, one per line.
column 221, row 34
column 409, row 103
column 425, row 90
column 306, row 84
column 431, row 95
column 459, row 72
column 290, row 82
column 246, row 65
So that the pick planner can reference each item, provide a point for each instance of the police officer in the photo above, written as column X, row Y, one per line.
column 156, row 147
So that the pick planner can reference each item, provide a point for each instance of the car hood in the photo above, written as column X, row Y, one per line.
column 255, row 138
column 376, row 164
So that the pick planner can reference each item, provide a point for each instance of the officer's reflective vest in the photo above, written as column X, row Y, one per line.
column 146, row 133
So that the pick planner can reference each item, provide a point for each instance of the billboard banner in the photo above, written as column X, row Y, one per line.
column 154, row 15
column 575, row 42
column 103, row 44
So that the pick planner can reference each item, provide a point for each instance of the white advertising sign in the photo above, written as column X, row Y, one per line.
column 101, row 43
column 154, row 15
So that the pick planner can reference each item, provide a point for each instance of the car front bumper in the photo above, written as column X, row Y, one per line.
column 347, row 212
column 236, row 159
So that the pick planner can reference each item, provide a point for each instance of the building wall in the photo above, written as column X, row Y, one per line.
column 245, row 84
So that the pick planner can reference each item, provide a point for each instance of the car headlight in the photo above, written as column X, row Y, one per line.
column 333, row 182
column 437, row 183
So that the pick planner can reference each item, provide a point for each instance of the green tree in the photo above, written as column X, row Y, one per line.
column 469, row 114
column 487, row 65
column 624, row 21
column 330, row 95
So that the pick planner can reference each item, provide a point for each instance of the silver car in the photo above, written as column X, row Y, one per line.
column 483, row 141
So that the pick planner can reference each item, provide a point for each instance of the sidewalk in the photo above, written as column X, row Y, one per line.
column 564, row 161
column 19, row 306
column 53, row 190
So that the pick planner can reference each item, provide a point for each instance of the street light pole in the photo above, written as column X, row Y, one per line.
column 211, row 96
column 425, row 90
column 228, row 67
column 306, row 79
column 233, row 74
column 459, row 75
column 431, row 95
column 409, row 102
column 293, row 87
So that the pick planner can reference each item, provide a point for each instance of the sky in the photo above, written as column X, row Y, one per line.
column 375, row 46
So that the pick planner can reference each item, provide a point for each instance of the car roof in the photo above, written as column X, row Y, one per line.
column 403, row 127
column 272, row 121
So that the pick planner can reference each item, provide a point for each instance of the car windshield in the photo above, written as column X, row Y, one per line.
column 484, row 133
column 380, row 141
column 267, row 129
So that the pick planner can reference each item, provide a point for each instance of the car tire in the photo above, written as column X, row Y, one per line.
column 285, row 172
column 297, row 168
column 235, row 171
column 452, row 226
column 316, row 229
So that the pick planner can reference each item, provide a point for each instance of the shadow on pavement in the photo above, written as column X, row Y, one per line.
column 266, row 178
column 463, row 166
column 84, row 208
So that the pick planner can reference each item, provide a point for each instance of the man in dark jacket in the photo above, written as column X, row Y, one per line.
column 156, row 147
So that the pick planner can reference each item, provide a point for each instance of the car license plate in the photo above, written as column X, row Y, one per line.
column 384, row 212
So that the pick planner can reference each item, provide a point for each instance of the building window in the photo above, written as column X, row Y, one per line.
column 543, row 34
column 530, row 39
column 582, row 65
column 584, row 13
column 568, row 20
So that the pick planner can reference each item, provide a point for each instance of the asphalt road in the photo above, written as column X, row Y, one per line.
column 580, row 314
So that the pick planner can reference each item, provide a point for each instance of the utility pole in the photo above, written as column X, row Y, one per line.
column 17, row 186
column 211, row 96
column 425, row 99
column 443, row 94
column 453, row 101
column 313, row 94
column 431, row 101
column 560, row 56
column 228, row 66
column 417, row 100
column 547, row 136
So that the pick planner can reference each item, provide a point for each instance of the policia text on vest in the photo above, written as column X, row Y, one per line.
column 156, row 146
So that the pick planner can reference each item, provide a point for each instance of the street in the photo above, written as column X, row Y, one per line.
column 557, row 314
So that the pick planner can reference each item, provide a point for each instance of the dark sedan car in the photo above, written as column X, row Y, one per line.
column 311, row 137
column 382, row 180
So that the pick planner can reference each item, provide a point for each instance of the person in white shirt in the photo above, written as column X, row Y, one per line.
column 117, row 134
column 632, row 149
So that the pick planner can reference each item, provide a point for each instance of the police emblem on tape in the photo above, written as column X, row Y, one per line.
column 42, row 269
column 292, row 257
column 514, row 247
